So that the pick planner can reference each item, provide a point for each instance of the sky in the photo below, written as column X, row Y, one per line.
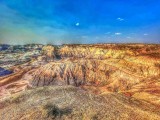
column 79, row 21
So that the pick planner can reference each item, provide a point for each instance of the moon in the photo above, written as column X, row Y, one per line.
column 77, row 24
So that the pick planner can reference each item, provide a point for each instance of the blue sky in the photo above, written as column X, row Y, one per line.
column 79, row 21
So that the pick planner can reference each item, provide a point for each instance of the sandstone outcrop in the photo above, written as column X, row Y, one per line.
column 49, row 52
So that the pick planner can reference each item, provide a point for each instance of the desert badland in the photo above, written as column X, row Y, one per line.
column 80, row 82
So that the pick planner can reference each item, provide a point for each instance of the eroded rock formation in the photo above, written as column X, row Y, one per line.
column 116, row 70
column 128, row 70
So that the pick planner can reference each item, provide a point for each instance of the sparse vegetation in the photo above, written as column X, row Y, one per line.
column 55, row 112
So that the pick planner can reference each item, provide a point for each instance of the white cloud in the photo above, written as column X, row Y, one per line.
column 118, row 33
column 120, row 19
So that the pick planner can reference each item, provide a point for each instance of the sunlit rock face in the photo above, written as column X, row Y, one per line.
column 139, row 53
column 49, row 52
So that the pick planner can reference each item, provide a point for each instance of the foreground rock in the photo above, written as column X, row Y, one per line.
column 70, row 103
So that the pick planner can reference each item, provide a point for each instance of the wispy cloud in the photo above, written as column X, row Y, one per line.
column 118, row 33
column 120, row 19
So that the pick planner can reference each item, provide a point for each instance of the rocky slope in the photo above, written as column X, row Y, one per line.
column 66, row 103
